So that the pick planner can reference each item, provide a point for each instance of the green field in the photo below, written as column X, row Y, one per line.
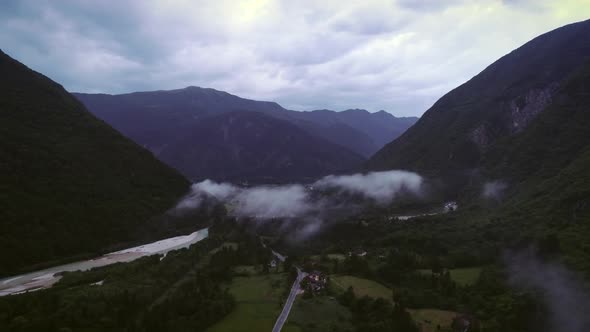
column 427, row 319
column 246, row 269
column 339, row 257
column 430, row 319
column 333, row 256
column 463, row 276
column 466, row 276
column 362, row 286
column 231, row 245
column 258, row 304
column 319, row 314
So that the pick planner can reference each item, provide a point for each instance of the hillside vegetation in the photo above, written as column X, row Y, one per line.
column 69, row 184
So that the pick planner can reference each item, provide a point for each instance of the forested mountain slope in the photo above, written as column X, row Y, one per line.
column 159, row 119
column 457, row 132
column 252, row 146
column 69, row 184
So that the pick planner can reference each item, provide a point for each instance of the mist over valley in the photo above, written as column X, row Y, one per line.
column 304, row 166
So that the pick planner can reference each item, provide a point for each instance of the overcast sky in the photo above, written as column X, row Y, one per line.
column 400, row 56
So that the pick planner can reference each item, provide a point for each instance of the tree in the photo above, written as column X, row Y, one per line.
column 401, row 320
column 435, row 265
column 347, row 298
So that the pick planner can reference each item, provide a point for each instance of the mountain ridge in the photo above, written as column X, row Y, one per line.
column 70, row 184
column 159, row 119
column 500, row 101
column 254, row 147
column 197, row 102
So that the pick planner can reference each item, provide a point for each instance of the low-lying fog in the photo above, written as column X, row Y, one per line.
column 306, row 203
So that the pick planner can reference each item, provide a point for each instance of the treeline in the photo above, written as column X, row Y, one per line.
column 415, row 262
column 490, row 299
column 376, row 315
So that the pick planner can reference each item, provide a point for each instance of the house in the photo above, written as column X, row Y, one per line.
column 273, row 263
column 465, row 323
column 314, row 282
column 358, row 252
column 451, row 206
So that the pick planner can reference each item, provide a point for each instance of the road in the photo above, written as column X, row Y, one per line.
column 292, row 295
column 289, row 303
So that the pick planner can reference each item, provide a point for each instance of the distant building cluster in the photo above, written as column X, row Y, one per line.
column 358, row 252
column 451, row 206
column 314, row 282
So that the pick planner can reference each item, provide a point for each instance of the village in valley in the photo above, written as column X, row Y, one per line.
column 335, row 281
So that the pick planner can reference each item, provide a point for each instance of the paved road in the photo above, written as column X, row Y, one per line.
column 292, row 295
column 287, row 308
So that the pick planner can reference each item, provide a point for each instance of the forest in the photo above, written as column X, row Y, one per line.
column 183, row 291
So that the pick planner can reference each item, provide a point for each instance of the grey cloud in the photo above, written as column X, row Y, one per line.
column 274, row 202
column 494, row 189
column 427, row 5
column 306, row 205
column 563, row 293
column 380, row 186
column 398, row 56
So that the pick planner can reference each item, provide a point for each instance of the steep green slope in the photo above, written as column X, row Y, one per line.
column 503, row 100
column 552, row 141
column 524, row 122
column 69, row 184
column 548, row 170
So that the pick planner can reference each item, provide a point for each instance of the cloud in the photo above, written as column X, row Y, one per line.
column 274, row 202
column 494, row 189
column 379, row 186
column 378, row 54
column 567, row 300
column 200, row 191
column 308, row 205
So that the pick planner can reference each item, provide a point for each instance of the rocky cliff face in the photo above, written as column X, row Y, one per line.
column 518, row 113
column 525, row 108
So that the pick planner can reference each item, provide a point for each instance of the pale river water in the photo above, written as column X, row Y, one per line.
column 46, row 278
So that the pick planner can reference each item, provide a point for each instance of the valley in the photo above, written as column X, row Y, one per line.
column 134, row 206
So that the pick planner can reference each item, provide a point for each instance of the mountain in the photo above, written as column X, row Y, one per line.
column 381, row 127
column 70, row 185
column 255, row 147
column 376, row 129
column 464, row 130
column 518, row 135
column 158, row 118
column 548, row 162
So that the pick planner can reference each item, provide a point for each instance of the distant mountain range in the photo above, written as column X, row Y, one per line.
column 166, row 122
column 252, row 146
column 523, row 123
column 70, row 185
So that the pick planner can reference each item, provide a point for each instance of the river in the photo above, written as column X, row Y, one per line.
column 46, row 278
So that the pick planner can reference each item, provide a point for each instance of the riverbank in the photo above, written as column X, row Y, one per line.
column 48, row 277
